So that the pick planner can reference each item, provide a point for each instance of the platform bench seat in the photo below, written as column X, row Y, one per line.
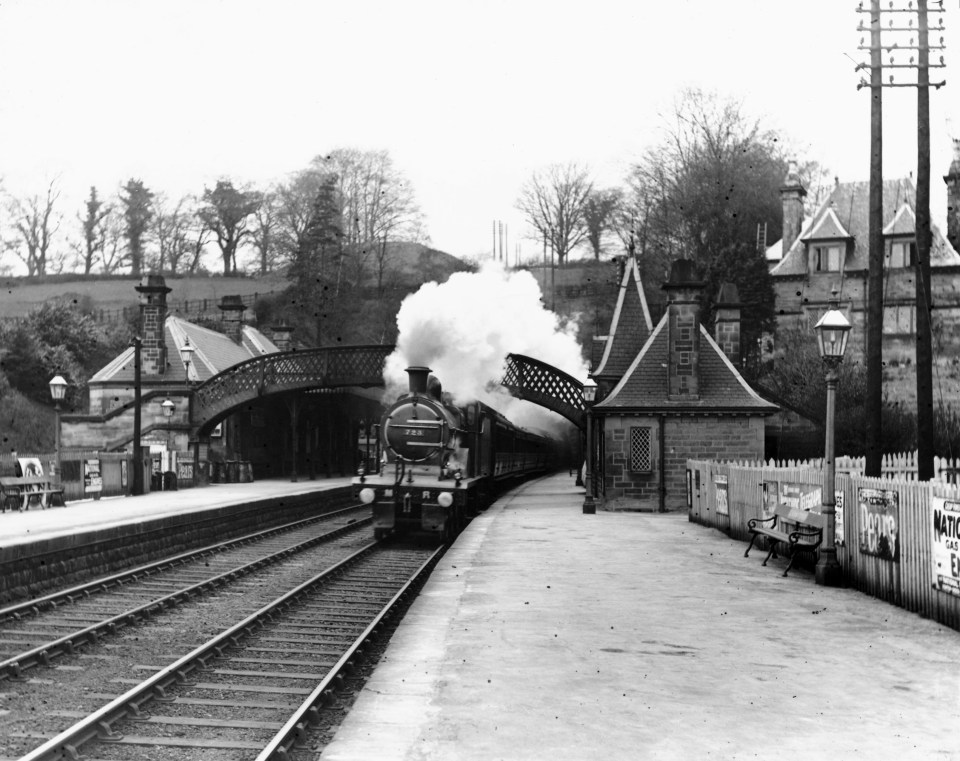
column 797, row 530
column 19, row 493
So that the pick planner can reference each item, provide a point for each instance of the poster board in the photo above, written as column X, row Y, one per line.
column 879, row 513
column 723, row 503
column 92, row 480
column 945, row 558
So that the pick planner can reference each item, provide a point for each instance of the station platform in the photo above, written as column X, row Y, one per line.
column 545, row 633
column 102, row 514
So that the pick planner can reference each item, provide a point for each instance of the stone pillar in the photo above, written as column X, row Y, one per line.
column 727, row 323
column 683, row 331
column 791, row 199
column 153, row 316
column 283, row 337
column 232, row 308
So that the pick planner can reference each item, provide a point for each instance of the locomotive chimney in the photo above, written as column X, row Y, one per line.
column 418, row 379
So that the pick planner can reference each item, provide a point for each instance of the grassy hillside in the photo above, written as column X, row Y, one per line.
column 408, row 263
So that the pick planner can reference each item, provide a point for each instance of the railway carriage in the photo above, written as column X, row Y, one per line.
column 443, row 463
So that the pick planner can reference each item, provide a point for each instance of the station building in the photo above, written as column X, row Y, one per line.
column 310, row 432
column 830, row 250
column 670, row 392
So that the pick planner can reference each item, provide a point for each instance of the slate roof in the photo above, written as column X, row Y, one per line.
column 643, row 389
column 846, row 210
column 214, row 353
column 629, row 328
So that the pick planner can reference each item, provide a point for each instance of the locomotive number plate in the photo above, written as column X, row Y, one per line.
column 426, row 496
column 412, row 432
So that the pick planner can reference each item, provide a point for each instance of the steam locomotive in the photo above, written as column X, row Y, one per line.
column 443, row 463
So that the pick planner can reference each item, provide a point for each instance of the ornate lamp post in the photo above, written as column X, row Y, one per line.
column 58, row 390
column 168, row 408
column 833, row 330
column 186, row 356
column 137, row 344
column 589, row 396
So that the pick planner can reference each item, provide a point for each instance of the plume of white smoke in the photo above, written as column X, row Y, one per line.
column 463, row 330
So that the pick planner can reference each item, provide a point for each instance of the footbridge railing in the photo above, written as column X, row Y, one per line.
column 328, row 367
column 536, row 381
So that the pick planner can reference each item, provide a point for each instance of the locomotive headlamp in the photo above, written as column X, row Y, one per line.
column 367, row 496
column 445, row 499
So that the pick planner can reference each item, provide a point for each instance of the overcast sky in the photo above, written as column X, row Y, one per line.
column 469, row 98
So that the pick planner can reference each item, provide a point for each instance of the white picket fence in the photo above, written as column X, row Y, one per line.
column 897, row 467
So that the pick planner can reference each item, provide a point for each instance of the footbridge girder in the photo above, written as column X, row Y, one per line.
column 281, row 372
column 535, row 381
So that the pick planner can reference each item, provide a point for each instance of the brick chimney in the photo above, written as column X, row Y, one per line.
column 953, row 198
column 283, row 337
column 683, row 330
column 727, row 323
column 791, row 199
column 232, row 308
column 153, row 315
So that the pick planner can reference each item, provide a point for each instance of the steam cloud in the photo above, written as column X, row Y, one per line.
column 464, row 329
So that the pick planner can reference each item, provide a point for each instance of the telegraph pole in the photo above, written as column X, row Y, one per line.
column 923, row 297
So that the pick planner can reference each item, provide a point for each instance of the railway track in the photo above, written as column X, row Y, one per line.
column 258, row 688
column 37, row 631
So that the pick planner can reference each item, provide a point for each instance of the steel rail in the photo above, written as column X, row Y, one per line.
column 97, row 726
column 13, row 668
column 296, row 728
column 36, row 605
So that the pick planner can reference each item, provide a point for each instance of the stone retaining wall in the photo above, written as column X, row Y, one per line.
column 33, row 569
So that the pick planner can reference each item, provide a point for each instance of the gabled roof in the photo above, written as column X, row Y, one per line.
column 828, row 227
column 848, row 207
column 213, row 353
column 644, row 386
column 630, row 326
column 903, row 223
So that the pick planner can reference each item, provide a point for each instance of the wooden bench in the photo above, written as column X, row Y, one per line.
column 798, row 530
column 19, row 493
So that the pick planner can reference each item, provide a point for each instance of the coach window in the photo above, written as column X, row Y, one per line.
column 641, row 449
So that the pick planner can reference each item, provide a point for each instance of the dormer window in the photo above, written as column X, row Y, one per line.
column 902, row 254
column 826, row 258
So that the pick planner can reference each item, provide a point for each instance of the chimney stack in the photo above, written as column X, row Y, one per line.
column 283, row 337
column 417, row 376
column 727, row 323
column 153, row 292
column 683, row 330
column 953, row 198
column 232, row 308
column 791, row 199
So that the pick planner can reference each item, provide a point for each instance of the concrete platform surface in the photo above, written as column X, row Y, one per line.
column 90, row 514
column 548, row 634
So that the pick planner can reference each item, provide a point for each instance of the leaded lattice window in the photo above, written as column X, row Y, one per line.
column 641, row 450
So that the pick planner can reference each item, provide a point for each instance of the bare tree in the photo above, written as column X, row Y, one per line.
column 264, row 234
column 113, row 255
column 226, row 212
column 172, row 229
column 600, row 212
column 35, row 222
column 554, row 202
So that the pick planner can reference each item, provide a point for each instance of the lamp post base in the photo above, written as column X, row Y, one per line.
column 828, row 572
column 589, row 506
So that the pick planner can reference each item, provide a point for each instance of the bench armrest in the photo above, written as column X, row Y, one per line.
column 754, row 522
column 804, row 535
